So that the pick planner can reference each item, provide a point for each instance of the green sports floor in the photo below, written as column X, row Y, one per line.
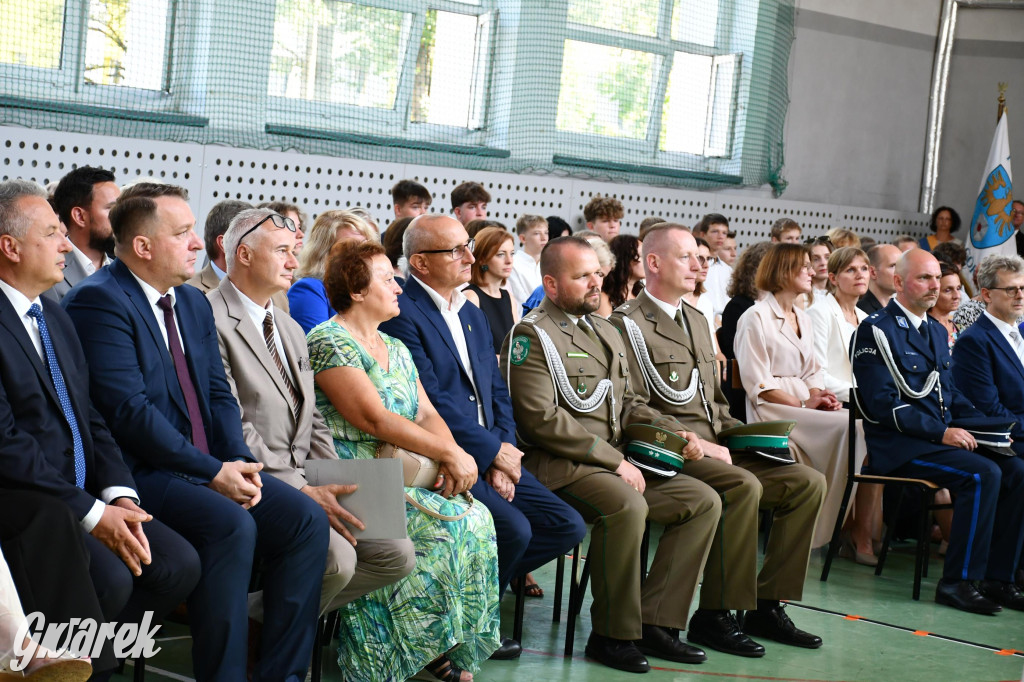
column 871, row 627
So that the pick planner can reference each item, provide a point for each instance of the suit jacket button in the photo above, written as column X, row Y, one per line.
column 671, row 357
column 472, row 398
column 294, row 448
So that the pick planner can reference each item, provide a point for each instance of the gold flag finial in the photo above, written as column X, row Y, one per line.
column 1002, row 101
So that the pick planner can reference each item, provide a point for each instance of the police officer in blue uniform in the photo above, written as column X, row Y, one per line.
column 901, row 363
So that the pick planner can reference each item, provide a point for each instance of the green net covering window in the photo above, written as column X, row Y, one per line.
column 685, row 92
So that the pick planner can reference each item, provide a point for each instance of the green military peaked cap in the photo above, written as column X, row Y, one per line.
column 768, row 439
column 654, row 449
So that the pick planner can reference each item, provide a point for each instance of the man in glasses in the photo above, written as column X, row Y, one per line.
column 158, row 380
column 911, row 406
column 715, row 230
column 451, row 345
column 988, row 361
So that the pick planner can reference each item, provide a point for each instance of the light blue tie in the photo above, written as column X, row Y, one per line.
column 62, row 393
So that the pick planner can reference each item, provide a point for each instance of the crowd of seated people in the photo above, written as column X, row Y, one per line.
column 162, row 419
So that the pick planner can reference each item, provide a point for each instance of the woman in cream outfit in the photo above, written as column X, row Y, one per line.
column 775, row 350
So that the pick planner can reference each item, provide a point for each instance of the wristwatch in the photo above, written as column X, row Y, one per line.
column 803, row 403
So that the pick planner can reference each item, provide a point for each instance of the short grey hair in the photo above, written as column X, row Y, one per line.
column 13, row 221
column 988, row 271
column 241, row 224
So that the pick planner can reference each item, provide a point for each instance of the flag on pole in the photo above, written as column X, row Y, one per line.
column 991, row 230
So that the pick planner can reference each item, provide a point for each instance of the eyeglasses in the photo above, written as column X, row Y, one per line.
column 279, row 221
column 819, row 241
column 456, row 253
column 1013, row 292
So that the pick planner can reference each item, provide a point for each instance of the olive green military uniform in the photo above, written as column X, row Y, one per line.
column 574, row 450
column 793, row 492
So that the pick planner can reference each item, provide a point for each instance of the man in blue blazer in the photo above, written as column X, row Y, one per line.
column 450, row 342
column 158, row 379
column 910, row 401
column 988, row 360
column 55, row 442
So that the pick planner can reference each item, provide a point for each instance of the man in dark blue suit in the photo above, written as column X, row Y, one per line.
column 55, row 442
column 910, row 402
column 158, row 379
column 450, row 341
column 988, row 360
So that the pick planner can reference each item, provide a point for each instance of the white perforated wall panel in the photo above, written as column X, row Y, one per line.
column 320, row 183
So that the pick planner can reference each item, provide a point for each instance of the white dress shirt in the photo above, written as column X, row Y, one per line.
column 450, row 313
column 716, row 286
column 1006, row 330
column 257, row 314
column 86, row 262
column 525, row 276
column 21, row 305
column 669, row 309
column 152, row 295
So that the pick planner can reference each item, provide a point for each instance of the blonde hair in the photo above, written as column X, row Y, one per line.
column 321, row 237
column 841, row 237
column 605, row 257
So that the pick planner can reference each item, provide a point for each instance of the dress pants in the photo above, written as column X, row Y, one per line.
column 287, row 532
column 988, row 510
column 688, row 509
column 44, row 546
column 532, row 529
column 794, row 493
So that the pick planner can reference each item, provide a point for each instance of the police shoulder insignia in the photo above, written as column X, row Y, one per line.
column 519, row 349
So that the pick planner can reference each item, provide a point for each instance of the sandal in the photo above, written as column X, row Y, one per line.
column 441, row 668
column 531, row 590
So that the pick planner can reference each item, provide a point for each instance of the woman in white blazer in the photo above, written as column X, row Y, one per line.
column 836, row 316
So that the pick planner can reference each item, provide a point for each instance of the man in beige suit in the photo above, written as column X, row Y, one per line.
column 217, row 221
column 572, row 397
column 267, row 366
column 666, row 342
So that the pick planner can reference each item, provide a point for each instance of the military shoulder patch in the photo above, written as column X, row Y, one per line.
column 519, row 349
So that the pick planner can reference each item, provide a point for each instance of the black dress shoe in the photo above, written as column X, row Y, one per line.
column 1004, row 594
column 775, row 624
column 664, row 643
column 508, row 650
column 720, row 631
column 620, row 654
column 963, row 595
column 1020, row 578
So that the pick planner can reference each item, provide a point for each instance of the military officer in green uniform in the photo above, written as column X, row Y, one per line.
column 572, row 396
column 672, row 362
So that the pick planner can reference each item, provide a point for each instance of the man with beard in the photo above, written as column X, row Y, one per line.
column 572, row 398
column 83, row 200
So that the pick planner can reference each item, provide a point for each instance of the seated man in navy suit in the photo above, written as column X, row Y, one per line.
column 450, row 342
column 158, row 379
column 910, row 402
column 56, row 443
column 988, row 360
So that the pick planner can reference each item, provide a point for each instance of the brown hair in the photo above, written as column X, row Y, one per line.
column 783, row 225
column 348, row 271
column 488, row 241
column 392, row 239
column 135, row 207
column 475, row 227
column 609, row 208
column 778, row 267
column 472, row 192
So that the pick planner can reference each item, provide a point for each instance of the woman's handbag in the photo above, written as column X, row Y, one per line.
column 420, row 472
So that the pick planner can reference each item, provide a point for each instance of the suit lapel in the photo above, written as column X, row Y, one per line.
column 997, row 339
column 785, row 329
column 429, row 309
column 579, row 337
column 10, row 321
column 138, row 298
column 253, row 337
column 73, row 271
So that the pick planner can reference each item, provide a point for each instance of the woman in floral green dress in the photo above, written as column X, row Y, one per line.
column 444, row 616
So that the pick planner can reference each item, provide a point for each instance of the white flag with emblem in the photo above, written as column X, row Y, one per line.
column 991, row 229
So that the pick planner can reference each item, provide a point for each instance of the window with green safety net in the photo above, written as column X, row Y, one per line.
column 682, row 92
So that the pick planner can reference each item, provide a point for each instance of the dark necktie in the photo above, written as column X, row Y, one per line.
column 268, row 336
column 188, row 389
column 924, row 332
column 62, row 392
column 588, row 329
